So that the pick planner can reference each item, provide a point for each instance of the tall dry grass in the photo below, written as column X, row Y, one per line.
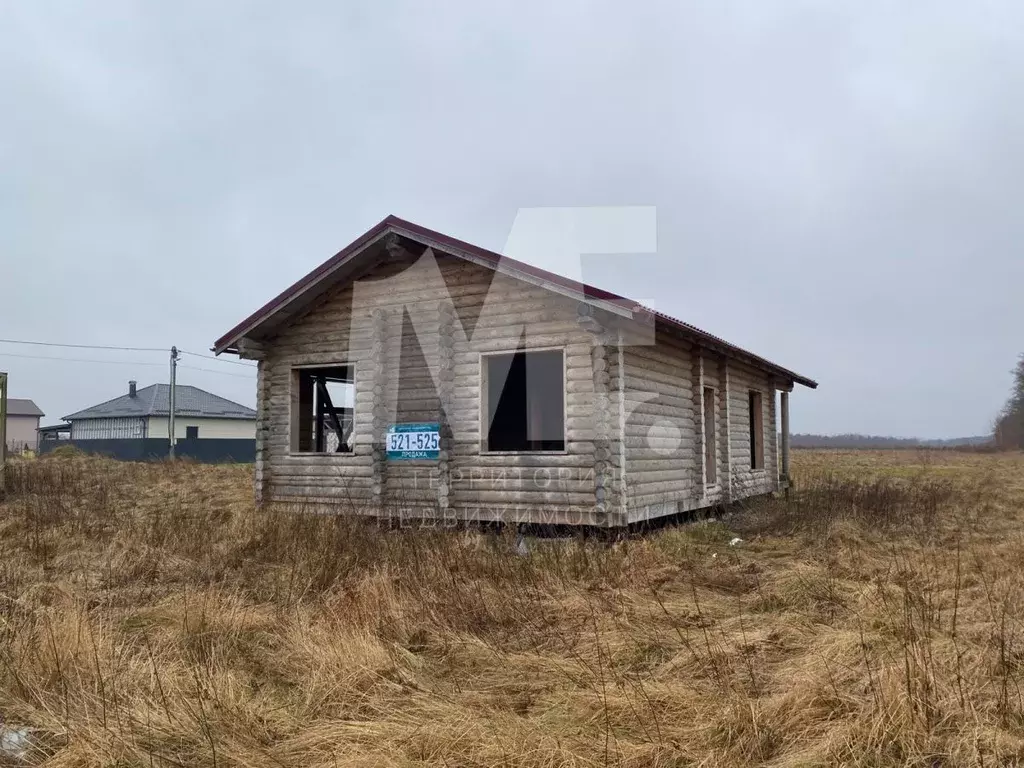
column 149, row 616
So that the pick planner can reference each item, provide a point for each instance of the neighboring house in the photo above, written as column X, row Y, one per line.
column 54, row 433
column 419, row 375
column 143, row 413
column 22, row 424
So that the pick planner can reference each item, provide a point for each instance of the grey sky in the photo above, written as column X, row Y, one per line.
column 837, row 185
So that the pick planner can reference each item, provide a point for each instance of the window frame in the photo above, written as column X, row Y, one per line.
column 294, row 371
column 484, row 402
column 192, row 432
column 756, row 426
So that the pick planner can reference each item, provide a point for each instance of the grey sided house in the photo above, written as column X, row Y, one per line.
column 419, row 375
column 143, row 413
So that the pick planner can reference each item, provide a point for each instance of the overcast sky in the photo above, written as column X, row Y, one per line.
column 838, row 186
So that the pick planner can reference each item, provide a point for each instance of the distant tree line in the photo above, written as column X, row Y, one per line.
column 1008, row 432
column 854, row 441
column 1009, row 429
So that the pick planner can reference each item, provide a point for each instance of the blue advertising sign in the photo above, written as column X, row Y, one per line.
column 413, row 441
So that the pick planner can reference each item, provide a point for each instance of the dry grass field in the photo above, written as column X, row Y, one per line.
column 149, row 616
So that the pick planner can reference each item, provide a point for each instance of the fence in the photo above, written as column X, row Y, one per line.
column 204, row 449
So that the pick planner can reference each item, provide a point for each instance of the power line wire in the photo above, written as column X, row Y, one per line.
column 219, row 373
column 216, row 359
column 118, row 349
column 81, row 346
column 80, row 360
column 121, row 362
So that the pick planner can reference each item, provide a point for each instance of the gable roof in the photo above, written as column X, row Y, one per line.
column 154, row 400
column 317, row 281
column 22, row 407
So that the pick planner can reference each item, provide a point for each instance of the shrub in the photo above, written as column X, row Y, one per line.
column 65, row 452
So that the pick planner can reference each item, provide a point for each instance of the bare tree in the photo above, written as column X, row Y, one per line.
column 1010, row 424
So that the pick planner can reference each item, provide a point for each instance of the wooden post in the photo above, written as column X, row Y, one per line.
column 378, row 358
column 604, row 491
column 700, row 475
column 620, row 475
column 725, row 479
column 261, row 472
column 784, row 405
column 251, row 350
column 446, row 394
column 608, row 471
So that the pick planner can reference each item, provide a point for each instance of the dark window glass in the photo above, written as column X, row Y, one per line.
column 525, row 402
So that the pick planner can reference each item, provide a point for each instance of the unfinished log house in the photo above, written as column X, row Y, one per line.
column 414, row 374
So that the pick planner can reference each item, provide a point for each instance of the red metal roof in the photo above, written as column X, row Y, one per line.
column 445, row 242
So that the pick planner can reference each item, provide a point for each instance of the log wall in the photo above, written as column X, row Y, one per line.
column 745, row 480
column 664, row 463
column 408, row 372
column 662, row 420
column 714, row 492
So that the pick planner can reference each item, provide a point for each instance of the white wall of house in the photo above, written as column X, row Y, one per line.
column 108, row 429
column 21, row 432
column 208, row 428
column 156, row 426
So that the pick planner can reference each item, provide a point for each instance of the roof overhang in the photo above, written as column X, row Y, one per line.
column 56, row 428
column 349, row 263
column 359, row 255
column 723, row 348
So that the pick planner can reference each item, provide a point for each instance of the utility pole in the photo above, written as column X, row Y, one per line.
column 170, row 410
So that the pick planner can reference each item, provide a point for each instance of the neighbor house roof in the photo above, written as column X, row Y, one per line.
column 19, row 407
column 55, row 428
column 313, row 284
column 154, row 400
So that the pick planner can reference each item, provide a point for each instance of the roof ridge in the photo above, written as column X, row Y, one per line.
column 154, row 401
column 394, row 224
column 105, row 402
